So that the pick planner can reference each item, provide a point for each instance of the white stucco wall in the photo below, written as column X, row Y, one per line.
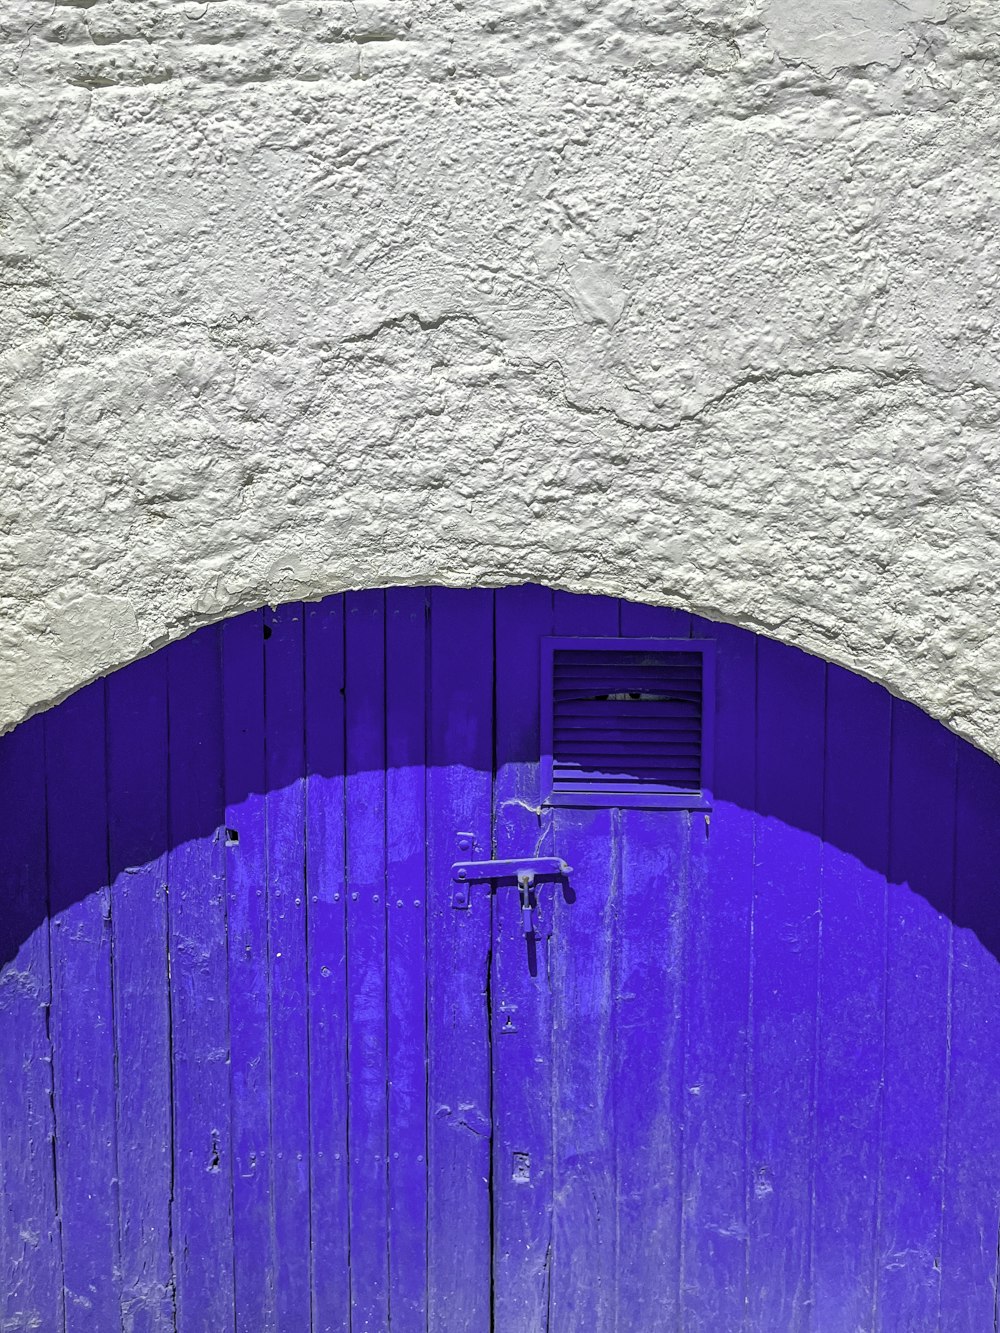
column 692, row 303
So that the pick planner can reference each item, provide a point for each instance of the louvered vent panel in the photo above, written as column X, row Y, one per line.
column 626, row 722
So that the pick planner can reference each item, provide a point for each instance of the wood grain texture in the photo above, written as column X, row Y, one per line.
column 366, row 960
column 459, row 799
column 82, row 1016
column 327, row 946
column 137, row 758
column 521, row 981
column 585, row 937
column 259, row 1073
column 657, row 870
column 851, row 989
column 406, row 962
column 245, row 840
column 970, row 1242
column 714, row 1244
column 787, row 906
column 31, row 1289
column 202, row 1196
column 918, row 1021
column 287, row 929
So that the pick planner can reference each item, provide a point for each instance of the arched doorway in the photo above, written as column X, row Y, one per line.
column 456, row 960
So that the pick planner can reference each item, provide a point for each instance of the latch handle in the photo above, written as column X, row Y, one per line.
column 468, row 871
column 524, row 870
column 525, row 883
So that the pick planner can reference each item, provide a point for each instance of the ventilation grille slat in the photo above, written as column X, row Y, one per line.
column 626, row 723
column 585, row 712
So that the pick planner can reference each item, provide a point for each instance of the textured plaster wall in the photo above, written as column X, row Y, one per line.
column 693, row 303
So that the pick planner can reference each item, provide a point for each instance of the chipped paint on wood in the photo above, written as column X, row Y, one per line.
column 262, row 1071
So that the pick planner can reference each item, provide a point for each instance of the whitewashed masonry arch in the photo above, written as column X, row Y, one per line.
column 694, row 307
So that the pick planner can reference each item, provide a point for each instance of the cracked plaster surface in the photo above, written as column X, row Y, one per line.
column 690, row 303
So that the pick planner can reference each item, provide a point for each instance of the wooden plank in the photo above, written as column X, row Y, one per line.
column 246, row 893
column 31, row 1273
column 459, row 786
column 921, row 884
column 137, row 846
column 786, row 923
column 287, row 910
column 366, row 944
column 661, row 622
column 520, row 984
column 82, row 1016
column 852, row 1000
column 327, row 964
column 714, row 1234
column 406, row 688
column 202, row 1224
column 655, row 865
column 969, row 1254
column 584, row 1242
column 585, row 941
column 655, row 869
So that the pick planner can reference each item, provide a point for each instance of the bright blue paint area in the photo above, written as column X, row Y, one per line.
column 744, row 1075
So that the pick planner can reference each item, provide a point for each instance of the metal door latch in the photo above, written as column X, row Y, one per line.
column 525, row 884
column 522, row 870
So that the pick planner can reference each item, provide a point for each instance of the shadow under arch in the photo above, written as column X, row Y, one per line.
column 169, row 765
column 950, row 788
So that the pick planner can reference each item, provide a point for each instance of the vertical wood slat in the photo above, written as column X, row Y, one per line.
column 287, row 914
column 852, row 998
column 717, row 997
column 649, row 978
column 917, row 1020
column 327, row 964
column 521, row 994
column 137, row 841
column 655, row 622
column 585, row 937
column 584, row 1254
column 82, row 1017
column 366, row 958
column 970, row 1250
column 247, row 937
column 655, row 870
column 202, row 1224
column 31, row 1272
column 787, row 910
column 405, row 713
column 459, row 799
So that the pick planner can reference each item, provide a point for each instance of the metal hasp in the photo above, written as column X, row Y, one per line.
column 525, row 870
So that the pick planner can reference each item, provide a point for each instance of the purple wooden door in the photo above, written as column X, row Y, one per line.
column 267, row 1064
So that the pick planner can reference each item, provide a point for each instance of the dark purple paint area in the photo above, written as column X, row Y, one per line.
column 264, row 1069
